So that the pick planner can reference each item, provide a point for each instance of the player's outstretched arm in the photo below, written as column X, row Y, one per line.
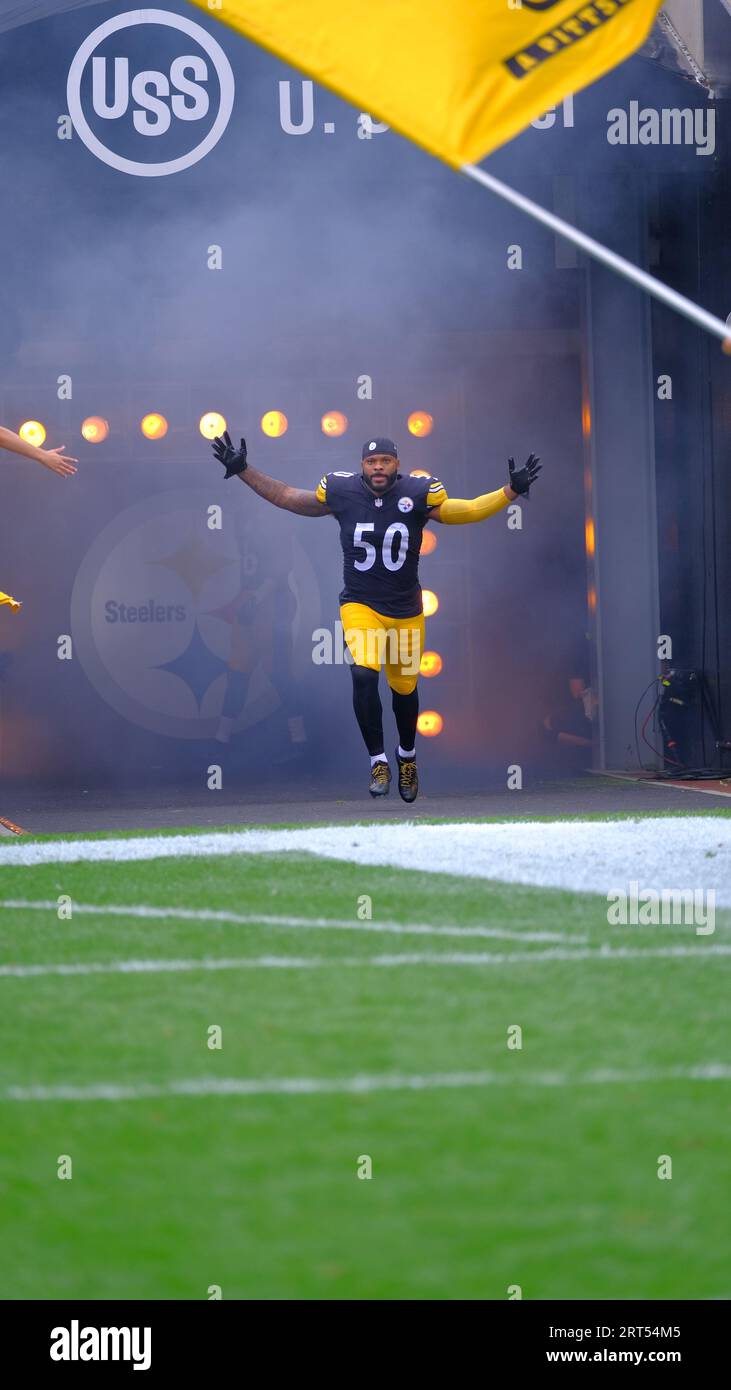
column 290, row 499
column 55, row 459
column 460, row 511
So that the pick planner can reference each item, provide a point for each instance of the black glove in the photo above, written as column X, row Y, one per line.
column 521, row 478
column 233, row 460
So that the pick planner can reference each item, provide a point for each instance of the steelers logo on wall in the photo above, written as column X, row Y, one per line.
column 164, row 607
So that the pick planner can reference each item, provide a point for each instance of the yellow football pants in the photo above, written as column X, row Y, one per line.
column 374, row 640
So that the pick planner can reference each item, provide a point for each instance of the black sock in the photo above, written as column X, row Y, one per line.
column 406, row 709
column 368, row 708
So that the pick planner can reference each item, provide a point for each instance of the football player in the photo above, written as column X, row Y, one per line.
column 382, row 514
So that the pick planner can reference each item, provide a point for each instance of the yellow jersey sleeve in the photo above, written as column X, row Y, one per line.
column 436, row 493
column 321, row 489
column 460, row 511
column 12, row 602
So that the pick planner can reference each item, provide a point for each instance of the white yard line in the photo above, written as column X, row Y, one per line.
column 601, row 955
column 259, row 919
column 364, row 1085
column 692, row 852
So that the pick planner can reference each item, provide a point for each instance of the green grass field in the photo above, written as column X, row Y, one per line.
column 543, row 1173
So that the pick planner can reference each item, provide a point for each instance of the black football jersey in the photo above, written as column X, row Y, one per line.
column 381, row 538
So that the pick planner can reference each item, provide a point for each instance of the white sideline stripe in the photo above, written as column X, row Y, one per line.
column 578, row 856
column 321, row 923
column 481, row 958
column 363, row 1085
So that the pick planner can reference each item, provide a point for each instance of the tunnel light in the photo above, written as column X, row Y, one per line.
column 212, row 424
column 589, row 536
column 429, row 723
column 431, row 664
column 428, row 543
column 94, row 429
column 420, row 473
column 420, row 424
column 154, row 426
column 33, row 432
column 431, row 603
column 274, row 423
column 334, row 423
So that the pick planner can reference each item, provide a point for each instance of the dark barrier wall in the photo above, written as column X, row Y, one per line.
column 228, row 238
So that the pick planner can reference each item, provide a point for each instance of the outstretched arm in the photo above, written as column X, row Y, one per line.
column 55, row 459
column 458, row 511
column 290, row 499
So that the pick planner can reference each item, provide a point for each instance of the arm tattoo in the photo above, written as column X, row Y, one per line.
column 291, row 499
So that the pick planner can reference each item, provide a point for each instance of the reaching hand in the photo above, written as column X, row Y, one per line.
column 522, row 478
column 57, row 461
column 233, row 460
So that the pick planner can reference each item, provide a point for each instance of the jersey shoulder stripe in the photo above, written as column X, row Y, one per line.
column 331, row 484
column 436, row 493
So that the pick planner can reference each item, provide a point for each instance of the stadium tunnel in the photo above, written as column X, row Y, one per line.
column 625, row 543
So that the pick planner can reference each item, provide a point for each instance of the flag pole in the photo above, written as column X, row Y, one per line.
column 593, row 248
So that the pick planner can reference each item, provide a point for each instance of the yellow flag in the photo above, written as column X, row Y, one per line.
column 459, row 77
column 13, row 602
